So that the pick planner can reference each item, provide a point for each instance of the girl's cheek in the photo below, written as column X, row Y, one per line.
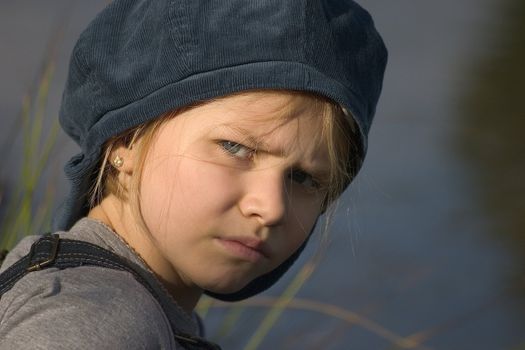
column 306, row 214
column 203, row 183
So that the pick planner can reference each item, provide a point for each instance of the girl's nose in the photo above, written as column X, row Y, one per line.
column 265, row 197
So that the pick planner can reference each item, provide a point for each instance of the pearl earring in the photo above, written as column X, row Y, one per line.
column 117, row 162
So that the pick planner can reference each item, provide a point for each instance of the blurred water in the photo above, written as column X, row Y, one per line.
column 429, row 241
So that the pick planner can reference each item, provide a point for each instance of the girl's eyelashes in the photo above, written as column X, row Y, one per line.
column 304, row 179
column 237, row 150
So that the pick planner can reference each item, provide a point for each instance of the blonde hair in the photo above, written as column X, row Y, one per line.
column 338, row 132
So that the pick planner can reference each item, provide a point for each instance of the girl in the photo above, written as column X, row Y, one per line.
column 213, row 135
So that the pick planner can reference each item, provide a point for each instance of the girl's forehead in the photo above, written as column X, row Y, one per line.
column 267, row 114
column 259, row 106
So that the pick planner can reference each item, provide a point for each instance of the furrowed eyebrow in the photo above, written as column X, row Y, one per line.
column 260, row 146
column 249, row 140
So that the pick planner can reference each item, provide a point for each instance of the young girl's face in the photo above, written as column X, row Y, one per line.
column 230, row 189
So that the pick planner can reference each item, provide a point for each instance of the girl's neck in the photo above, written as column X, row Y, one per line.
column 114, row 217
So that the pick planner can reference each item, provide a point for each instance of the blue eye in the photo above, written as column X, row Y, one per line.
column 303, row 178
column 237, row 150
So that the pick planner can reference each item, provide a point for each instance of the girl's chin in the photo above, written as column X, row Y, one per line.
column 226, row 287
column 227, row 280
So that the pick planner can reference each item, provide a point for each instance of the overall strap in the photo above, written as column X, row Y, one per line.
column 53, row 251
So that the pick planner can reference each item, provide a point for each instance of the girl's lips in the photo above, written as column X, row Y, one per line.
column 246, row 248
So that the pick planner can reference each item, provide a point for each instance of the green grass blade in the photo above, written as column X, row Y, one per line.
column 276, row 310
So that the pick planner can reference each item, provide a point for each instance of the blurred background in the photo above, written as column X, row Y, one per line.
column 427, row 250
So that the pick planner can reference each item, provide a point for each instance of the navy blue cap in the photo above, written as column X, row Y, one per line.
column 141, row 58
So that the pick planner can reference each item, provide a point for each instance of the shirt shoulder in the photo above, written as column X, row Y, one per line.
column 80, row 308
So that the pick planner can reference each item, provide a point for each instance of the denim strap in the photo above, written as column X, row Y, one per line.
column 53, row 251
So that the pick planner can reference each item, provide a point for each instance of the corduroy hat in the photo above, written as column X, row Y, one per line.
column 141, row 58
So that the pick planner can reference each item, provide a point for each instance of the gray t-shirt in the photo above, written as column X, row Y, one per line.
column 86, row 307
